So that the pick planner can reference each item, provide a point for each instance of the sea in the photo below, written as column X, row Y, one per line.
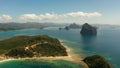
column 106, row 44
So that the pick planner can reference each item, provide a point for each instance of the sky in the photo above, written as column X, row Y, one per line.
column 60, row 11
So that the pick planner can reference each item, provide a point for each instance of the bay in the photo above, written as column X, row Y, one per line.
column 106, row 43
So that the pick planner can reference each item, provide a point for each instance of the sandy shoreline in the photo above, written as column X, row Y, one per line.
column 71, row 57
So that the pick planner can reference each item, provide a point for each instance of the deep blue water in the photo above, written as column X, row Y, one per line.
column 106, row 43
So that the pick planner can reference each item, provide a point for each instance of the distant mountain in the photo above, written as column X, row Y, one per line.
column 71, row 26
column 74, row 26
column 28, row 25
column 17, row 26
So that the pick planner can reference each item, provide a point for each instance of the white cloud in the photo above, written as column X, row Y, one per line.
column 83, row 14
column 34, row 17
column 5, row 18
column 50, row 17
column 53, row 16
column 29, row 17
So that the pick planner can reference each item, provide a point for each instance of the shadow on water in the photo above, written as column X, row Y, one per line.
column 88, row 39
column 88, row 42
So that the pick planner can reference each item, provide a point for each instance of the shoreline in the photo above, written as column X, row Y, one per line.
column 71, row 57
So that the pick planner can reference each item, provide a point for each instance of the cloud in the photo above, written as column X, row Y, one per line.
column 29, row 17
column 83, row 14
column 5, row 18
column 50, row 17
column 53, row 16
column 34, row 17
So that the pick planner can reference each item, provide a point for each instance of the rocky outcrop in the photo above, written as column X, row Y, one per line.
column 67, row 28
column 74, row 26
column 96, row 61
column 88, row 30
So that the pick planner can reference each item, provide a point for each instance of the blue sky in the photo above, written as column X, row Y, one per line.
column 57, row 10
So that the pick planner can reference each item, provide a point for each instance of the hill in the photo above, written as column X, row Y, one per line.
column 32, row 46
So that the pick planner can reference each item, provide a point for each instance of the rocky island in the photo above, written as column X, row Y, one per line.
column 88, row 30
column 31, row 46
column 96, row 61
column 74, row 26
column 71, row 26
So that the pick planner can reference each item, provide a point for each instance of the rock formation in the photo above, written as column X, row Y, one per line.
column 88, row 30
column 67, row 28
column 74, row 26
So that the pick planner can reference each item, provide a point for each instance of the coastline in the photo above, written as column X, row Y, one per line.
column 71, row 57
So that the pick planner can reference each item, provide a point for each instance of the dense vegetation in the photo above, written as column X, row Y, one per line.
column 19, row 52
column 41, row 45
column 96, row 61
column 49, row 49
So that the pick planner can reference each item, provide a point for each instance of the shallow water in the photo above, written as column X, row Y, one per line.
column 39, row 64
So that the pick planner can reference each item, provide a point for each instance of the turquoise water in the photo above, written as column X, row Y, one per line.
column 106, row 43
column 39, row 64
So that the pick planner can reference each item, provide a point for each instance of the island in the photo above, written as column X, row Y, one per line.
column 70, row 26
column 66, row 28
column 31, row 46
column 74, row 26
column 88, row 30
column 96, row 61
